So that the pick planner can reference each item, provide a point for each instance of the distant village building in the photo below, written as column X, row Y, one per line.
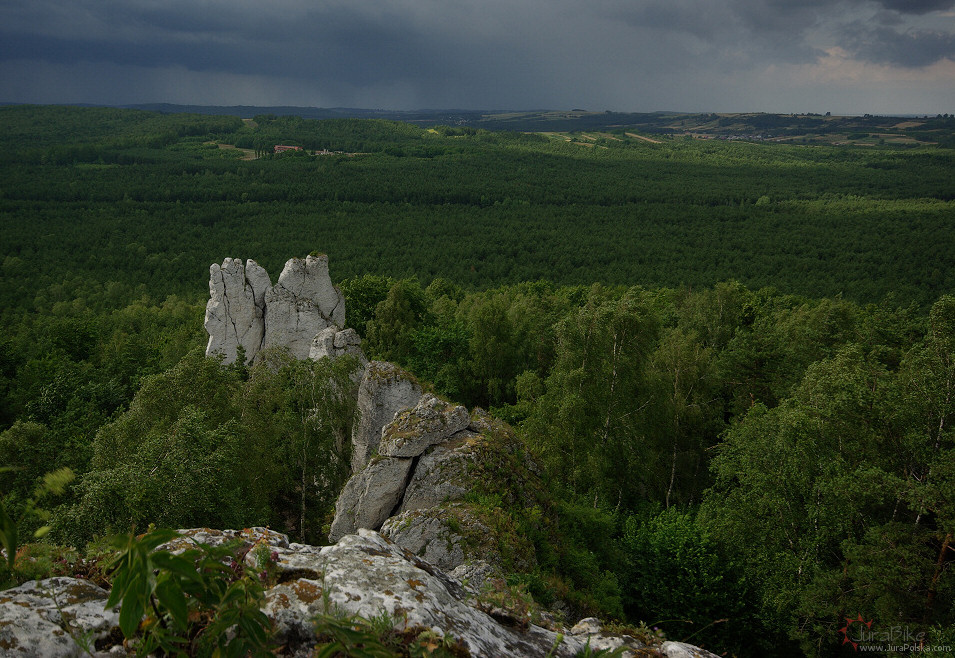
column 280, row 148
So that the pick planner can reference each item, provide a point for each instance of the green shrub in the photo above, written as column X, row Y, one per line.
column 678, row 577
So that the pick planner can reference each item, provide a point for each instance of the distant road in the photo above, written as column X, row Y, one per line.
column 646, row 139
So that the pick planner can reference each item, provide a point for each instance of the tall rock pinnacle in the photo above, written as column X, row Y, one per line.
column 246, row 310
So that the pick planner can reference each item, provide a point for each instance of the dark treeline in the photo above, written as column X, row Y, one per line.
column 146, row 199
column 724, row 436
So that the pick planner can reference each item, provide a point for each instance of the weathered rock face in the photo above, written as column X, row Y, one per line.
column 301, row 304
column 449, row 455
column 245, row 309
column 43, row 619
column 364, row 574
column 444, row 473
column 429, row 534
column 370, row 497
column 413, row 431
column 236, row 308
column 372, row 494
column 385, row 390
column 333, row 343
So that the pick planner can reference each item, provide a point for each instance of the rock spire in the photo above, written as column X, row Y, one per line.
column 246, row 310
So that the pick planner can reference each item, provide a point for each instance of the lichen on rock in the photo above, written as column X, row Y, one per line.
column 430, row 422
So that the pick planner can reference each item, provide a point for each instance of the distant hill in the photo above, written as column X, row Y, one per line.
column 752, row 126
column 249, row 111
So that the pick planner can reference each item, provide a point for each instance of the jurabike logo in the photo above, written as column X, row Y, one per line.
column 852, row 626
column 859, row 634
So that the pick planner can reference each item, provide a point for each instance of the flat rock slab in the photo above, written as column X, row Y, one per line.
column 43, row 619
column 430, row 422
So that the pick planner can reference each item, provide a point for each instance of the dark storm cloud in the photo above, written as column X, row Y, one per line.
column 293, row 39
column 917, row 7
column 911, row 49
column 493, row 53
column 788, row 30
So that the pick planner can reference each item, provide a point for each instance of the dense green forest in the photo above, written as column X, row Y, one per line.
column 734, row 361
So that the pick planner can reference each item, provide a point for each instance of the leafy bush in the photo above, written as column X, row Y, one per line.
column 200, row 602
column 678, row 577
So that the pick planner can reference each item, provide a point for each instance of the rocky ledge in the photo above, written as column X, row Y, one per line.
column 363, row 574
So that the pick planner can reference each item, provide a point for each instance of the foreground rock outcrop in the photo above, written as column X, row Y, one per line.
column 45, row 618
column 245, row 310
column 364, row 574
column 436, row 482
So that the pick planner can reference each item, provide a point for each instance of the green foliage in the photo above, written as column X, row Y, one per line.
column 379, row 637
column 405, row 309
column 11, row 529
column 191, row 603
column 200, row 446
column 589, row 424
column 134, row 192
column 362, row 296
column 296, row 419
column 588, row 556
column 864, row 519
column 821, row 427
column 679, row 577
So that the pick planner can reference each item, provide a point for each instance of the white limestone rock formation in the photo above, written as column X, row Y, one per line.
column 43, row 619
column 430, row 422
column 333, row 343
column 370, row 497
column 374, row 493
column 246, row 310
column 302, row 303
column 385, row 390
column 235, row 313
column 363, row 574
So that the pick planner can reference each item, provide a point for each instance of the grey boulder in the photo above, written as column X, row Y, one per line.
column 385, row 389
column 430, row 422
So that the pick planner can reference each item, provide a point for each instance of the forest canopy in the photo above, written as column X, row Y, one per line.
column 734, row 361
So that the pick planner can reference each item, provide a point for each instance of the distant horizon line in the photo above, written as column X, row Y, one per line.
column 426, row 110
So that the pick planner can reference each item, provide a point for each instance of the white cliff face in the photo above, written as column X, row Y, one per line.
column 246, row 310
column 236, row 308
column 301, row 304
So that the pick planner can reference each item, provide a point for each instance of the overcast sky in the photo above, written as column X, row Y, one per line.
column 843, row 56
